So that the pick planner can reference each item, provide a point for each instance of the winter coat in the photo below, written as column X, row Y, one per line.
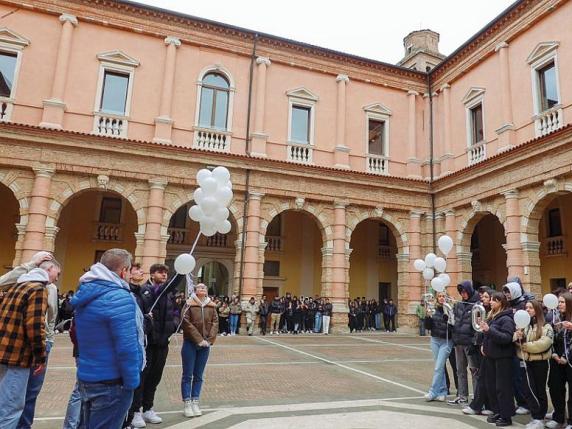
column 463, row 332
column 107, row 330
column 165, row 315
column 561, row 336
column 200, row 321
column 276, row 307
column 497, row 341
column 223, row 312
column 250, row 310
column 328, row 307
column 235, row 308
column 439, row 324
column 263, row 308
column 390, row 310
column 531, row 349
column 144, row 298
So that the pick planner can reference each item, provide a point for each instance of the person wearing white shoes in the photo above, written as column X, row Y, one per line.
column 200, row 327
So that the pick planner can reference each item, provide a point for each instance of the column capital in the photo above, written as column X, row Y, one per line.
column 255, row 196
column 327, row 251
column 158, row 183
column 501, row 45
column 415, row 214
column 413, row 93
column 340, row 204
column 445, row 86
column 531, row 246
column 263, row 60
column 172, row 40
column 44, row 170
column 449, row 212
column 342, row 78
column 66, row 17
column 426, row 95
column 439, row 215
column 512, row 193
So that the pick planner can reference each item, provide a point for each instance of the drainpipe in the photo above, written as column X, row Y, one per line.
column 247, row 181
column 431, row 163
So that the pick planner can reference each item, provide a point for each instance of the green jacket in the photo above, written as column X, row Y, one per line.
column 420, row 311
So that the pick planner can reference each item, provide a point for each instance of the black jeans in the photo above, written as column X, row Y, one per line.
column 453, row 363
column 150, row 378
column 263, row 322
column 480, row 399
column 499, row 386
column 559, row 376
column 534, row 387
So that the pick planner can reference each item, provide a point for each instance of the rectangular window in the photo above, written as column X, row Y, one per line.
column 110, row 210
column 272, row 268
column 220, row 113
column 376, row 137
column 554, row 224
column 206, row 112
column 114, row 94
column 300, row 132
column 7, row 69
column 548, row 89
column 477, row 133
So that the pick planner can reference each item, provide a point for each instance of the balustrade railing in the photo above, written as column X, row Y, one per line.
column 555, row 246
column 108, row 231
column 548, row 121
column 477, row 153
column 301, row 153
column 177, row 235
column 377, row 164
column 217, row 240
column 110, row 125
column 274, row 243
column 213, row 140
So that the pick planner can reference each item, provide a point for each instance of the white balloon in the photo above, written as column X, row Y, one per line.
column 428, row 273
column 224, row 195
column 228, row 185
column 224, row 227
column 222, row 175
column 437, row 284
column 209, row 205
column 440, row 264
column 196, row 213
column 419, row 264
column 521, row 319
column 445, row 244
column 208, row 230
column 445, row 278
column 198, row 195
column 430, row 259
column 550, row 301
column 185, row 263
column 209, row 186
column 202, row 174
column 221, row 214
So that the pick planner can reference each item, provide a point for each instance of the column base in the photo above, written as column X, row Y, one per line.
column 53, row 114
column 339, row 323
column 258, row 145
column 342, row 157
column 414, row 168
column 163, row 130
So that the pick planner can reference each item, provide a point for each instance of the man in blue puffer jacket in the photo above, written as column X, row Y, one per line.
column 109, row 327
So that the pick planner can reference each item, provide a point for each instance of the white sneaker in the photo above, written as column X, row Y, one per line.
column 568, row 427
column 548, row 416
column 469, row 411
column 196, row 410
column 150, row 416
column 440, row 398
column 138, row 421
column 552, row 424
column 487, row 413
column 189, row 409
column 521, row 411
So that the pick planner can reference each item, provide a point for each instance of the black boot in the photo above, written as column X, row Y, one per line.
column 493, row 418
column 503, row 422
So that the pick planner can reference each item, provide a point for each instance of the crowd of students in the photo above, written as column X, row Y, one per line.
column 368, row 315
column 510, row 367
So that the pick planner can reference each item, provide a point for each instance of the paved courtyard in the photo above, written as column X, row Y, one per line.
column 311, row 381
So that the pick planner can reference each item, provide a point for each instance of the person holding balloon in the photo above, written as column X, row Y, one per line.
column 498, row 351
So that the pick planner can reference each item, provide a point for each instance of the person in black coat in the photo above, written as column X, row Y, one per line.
column 498, row 351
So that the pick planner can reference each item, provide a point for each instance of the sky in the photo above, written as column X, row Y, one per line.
column 369, row 28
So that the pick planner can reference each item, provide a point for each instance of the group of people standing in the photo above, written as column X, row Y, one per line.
column 121, row 329
column 369, row 315
column 509, row 367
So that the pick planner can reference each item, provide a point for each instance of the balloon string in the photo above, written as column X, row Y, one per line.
column 165, row 289
column 195, row 243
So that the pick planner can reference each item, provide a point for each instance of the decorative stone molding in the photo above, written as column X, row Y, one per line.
column 530, row 246
column 66, row 17
column 415, row 214
column 342, row 78
column 255, row 195
column 476, row 205
column 299, row 202
column 550, row 185
column 158, row 183
column 44, row 170
column 378, row 211
column 171, row 40
column 340, row 204
column 413, row 93
column 512, row 193
column 102, row 181
column 501, row 45
column 263, row 60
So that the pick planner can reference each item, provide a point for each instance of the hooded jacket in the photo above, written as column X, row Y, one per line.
column 463, row 332
column 200, row 321
column 109, row 329
column 517, row 301
column 497, row 341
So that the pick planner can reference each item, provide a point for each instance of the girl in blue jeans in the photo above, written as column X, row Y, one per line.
column 440, row 324
column 200, row 327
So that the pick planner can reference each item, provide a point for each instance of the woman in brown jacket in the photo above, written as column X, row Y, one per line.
column 200, row 327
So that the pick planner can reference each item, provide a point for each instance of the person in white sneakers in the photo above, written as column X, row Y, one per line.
column 200, row 328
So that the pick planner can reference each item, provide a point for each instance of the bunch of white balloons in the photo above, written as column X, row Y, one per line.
column 212, row 199
column 433, row 267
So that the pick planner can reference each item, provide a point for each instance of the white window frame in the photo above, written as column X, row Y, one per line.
column 216, row 68
column 116, row 66
column 12, row 43
column 377, row 112
column 302, row 97
column 543, row 54
column 473, row 98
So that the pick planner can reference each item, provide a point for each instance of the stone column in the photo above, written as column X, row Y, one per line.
column 152, row 253
column 259, row 136
column 447, row 157
column 506, row 131
column 413, row 164
column 251, row 251
column 532, row 280
column 342, row 152
column 451, row 231
column 34, row 238
column 339, row 285
column 164, row 122
column 54, row 107
column 514, row 257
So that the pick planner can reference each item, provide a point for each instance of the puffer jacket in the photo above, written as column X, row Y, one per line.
column 235, row 308
column 439, row 324
column 107, row 333
column 165, row 315
column 200, row 321
column 531, row 349
column 463, row 332
column 250, row 310
column 497, row 341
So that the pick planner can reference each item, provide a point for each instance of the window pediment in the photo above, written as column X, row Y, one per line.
column 118, row 57
column 541, row 50
column 473, row 94
column 302, row 93
column 378, row 108
column 12, row 39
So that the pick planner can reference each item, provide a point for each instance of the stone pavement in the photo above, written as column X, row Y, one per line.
column 305, row 381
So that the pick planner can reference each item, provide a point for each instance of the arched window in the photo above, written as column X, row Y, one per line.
column 215, row 91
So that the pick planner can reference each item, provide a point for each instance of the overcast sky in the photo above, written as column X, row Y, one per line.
column 369, row 28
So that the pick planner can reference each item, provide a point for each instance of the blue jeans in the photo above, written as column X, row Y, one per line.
column 233, row 323
column 104, row 406
column 35, row 383
column 318, row 323
column 441, row 349
column 194, row 362
column 13, row 383
column 73, row 412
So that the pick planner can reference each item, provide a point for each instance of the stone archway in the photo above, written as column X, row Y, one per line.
column 216, row 274
column 9, row 219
